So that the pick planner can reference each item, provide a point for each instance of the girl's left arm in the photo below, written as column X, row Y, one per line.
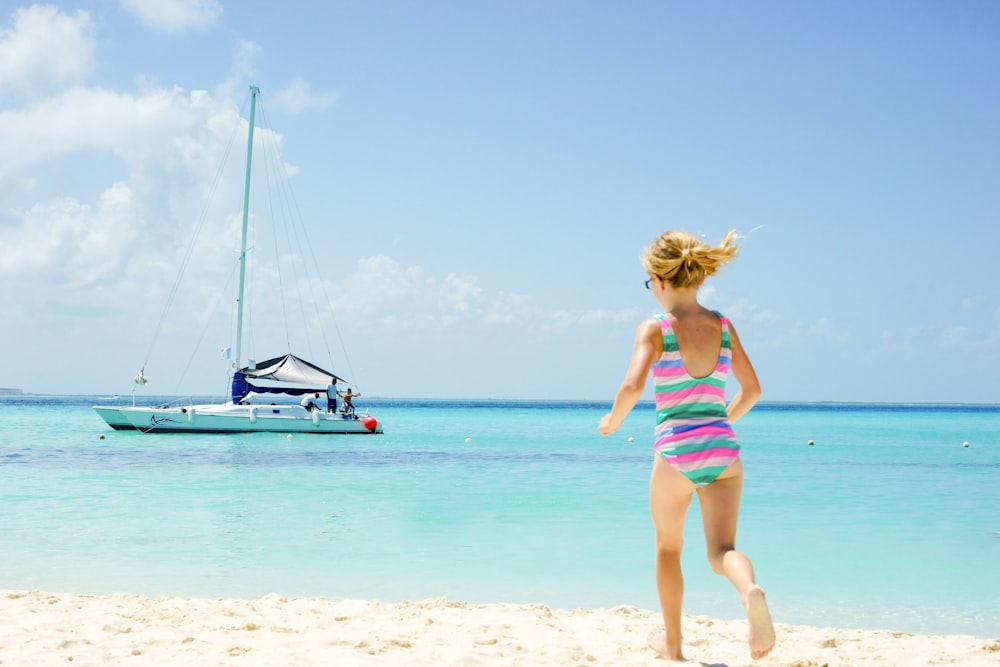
column 749, row 391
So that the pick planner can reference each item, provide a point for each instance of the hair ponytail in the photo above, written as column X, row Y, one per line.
column 682, row 260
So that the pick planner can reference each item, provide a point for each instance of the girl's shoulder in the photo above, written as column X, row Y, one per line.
column 654, row 326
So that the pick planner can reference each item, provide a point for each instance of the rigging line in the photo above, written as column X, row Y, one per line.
column 307, row 290
column 268, row 159
column 233, row 308
column 329, row 305
column 301, row 277
column 300, row 283
column 198, row 229
column 208, row 321
column 305, row 299
column 298, row 218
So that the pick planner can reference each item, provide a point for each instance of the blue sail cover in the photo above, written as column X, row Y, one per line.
column 282, row 375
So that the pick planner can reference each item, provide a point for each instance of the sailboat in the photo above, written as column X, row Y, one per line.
column 285, row 394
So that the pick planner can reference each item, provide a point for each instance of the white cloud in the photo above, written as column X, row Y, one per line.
column 384, row 292
column 745, row 310
column 89, row 119
column 820, row 329
column 566, row 319
column 510, row 309
column 298, row 97
column 64, row 242
column 44, row 48
column 174, row 15
column 242, row 69
column 169, row 143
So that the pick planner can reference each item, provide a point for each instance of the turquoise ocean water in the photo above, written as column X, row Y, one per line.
column 886, row 522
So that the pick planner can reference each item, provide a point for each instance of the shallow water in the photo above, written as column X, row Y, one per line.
column 886, row 521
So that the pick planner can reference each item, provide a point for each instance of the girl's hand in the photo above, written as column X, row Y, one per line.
column 605, row 427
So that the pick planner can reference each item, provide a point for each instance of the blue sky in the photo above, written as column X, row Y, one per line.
column 479, row 179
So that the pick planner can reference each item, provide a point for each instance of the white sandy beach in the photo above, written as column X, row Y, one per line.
column 39, row 628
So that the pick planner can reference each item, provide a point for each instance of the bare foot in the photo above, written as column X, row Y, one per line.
column 761, row 627
column 657, row 641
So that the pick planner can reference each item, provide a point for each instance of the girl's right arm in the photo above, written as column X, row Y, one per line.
column 647, row 349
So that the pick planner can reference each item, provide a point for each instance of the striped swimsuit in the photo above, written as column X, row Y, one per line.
column 692, row 427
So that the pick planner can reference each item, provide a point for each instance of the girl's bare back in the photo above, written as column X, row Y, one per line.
column 699, row 337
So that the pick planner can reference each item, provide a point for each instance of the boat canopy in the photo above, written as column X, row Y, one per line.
column 283, row 375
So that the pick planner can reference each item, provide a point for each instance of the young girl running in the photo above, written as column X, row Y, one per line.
column 690, row 351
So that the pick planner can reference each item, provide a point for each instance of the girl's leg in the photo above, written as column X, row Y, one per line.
column 720, row 508
column 669, row 498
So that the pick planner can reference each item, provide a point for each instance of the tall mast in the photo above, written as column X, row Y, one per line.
column 254, row 90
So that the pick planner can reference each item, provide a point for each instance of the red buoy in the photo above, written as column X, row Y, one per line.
column 370, row 423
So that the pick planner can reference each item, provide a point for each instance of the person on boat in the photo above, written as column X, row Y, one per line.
column 309, row 402
column 348, row 404
column 331, row 396
column 690, row 350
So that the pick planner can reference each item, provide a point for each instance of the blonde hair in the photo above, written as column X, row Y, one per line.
column 682, row 260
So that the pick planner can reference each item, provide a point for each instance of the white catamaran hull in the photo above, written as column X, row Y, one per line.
column 114, row 417
column 237, row 419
